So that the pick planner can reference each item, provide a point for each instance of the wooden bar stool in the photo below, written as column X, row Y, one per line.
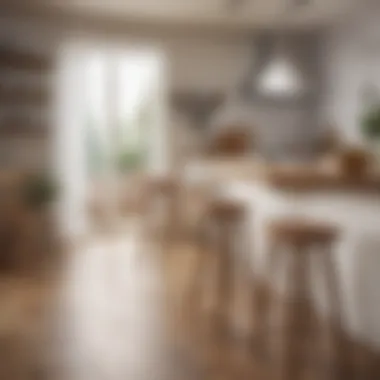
column 222, row 222
column 302, row 239
column 167, row 190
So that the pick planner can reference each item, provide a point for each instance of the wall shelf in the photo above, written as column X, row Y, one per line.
column 23, row 96
column 24, row 101
column 23, row 60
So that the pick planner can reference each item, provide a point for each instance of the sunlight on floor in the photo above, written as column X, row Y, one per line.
column 115, row 308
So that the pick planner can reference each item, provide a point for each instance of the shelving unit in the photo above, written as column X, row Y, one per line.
column 25, row 94
column 24, row 60
column 10, row 95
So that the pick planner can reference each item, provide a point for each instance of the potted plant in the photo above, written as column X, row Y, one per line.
column 129, row 160
column 370, row 124
column 370, row 127
column 38, row 191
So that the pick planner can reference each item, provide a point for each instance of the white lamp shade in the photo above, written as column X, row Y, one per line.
column 280, row 78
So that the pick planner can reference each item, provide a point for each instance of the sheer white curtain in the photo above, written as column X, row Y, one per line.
column 101, row 85
column 69, row 144
column 141, row 74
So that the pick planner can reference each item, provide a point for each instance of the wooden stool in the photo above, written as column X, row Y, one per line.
column 166, row 189
column 300, row 237
column 224, row 218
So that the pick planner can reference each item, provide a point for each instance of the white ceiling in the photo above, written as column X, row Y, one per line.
column 245, row 13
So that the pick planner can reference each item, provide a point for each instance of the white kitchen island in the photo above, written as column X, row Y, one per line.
column 357, row 253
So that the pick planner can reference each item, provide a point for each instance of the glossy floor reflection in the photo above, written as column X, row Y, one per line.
column 115, row 310
column 104, row 316
column 119, row 308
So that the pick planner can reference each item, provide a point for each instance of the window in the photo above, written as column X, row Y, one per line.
column 121, row 109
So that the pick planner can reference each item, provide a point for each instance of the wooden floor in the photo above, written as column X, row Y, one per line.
column 119, row 308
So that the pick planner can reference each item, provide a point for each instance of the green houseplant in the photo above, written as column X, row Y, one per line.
column 38, row 191
column 129, row 160
column 370, row 127
column 370, row 124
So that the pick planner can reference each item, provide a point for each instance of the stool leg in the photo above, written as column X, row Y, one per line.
column 202, row 265
column 264, row 300
column 242, row 283
column 174, row 225
column 342, row 358
column 304, row 308
column 224, row 275
column 293, row 341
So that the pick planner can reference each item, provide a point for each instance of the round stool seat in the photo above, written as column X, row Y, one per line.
column 163, row 185
column 299, row 231
column 165, row 190
column 226, row 210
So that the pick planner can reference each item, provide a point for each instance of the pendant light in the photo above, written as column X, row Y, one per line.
column 281, row 77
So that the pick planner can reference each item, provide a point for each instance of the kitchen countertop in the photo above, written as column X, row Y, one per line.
column 319, row 175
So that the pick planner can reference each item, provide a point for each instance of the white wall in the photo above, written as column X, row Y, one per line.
column 352, row 57
column 209, row 64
